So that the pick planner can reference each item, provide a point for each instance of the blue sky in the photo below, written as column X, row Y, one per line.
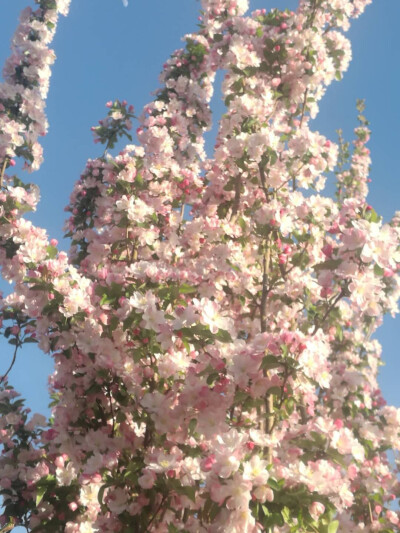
column 106, row 51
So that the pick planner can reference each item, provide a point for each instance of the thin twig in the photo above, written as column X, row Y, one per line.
column 313, row 13
column 156, row 513
column 264, row 295
column 12, row 362
column 108, row 389
column 370, row 512
column 303, row 109
column 320, row 322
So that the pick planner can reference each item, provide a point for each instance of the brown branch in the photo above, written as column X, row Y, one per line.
column 3, row 169
column 281, row 400
column 263, row 181
column 108, row 390
column 265, row 290
column 8, row 527
column 315, row 6
column 156, row 513
column 303, row 109
column 266, row 411
column 319, row 322
column 134, row 251
column 370, row 512
column 236, row 201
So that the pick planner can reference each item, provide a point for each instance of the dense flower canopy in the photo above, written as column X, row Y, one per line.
column 213, row 372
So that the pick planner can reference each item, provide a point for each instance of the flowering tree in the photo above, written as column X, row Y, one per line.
column 213, row 374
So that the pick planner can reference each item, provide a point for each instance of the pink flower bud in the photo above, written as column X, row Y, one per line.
column 316, row 509
column 207, row 463
column 338, row 423
column 104, row 318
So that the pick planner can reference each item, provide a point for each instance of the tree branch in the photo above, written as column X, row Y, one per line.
column 3, row 169
column 236, row 201
column 266, row 411
column 320, row 322
column 3, row 378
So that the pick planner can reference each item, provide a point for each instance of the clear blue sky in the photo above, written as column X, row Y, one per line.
column 106, row 51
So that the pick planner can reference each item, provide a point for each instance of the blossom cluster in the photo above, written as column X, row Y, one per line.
column 213, row 373
column 26, row 82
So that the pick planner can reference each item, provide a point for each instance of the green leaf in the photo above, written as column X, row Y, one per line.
column 275, row 485
column 300, row 259
column 285, row 512
column 186, row 345
column 372, row 216
column 223, row 336
column 318, row 438
column 42, row 287
column 114, row 323
column 51, row 252
column 273, row 156
column 274, row 391
column 39, row 495
column 187, row 289
column 211, row 378
column 139, row 179
column 242, row 223
column 265, row 510
column 100, row 497
column 30, row 340
column 333, row 526
column 290, row 404
column 270, row 361
column 339, row 333
column 192, row 426
column 229, row 99
column 190, row 492
column 331, row 264
column 336, row 457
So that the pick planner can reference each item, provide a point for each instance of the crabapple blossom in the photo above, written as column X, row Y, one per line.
column 213, row 373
